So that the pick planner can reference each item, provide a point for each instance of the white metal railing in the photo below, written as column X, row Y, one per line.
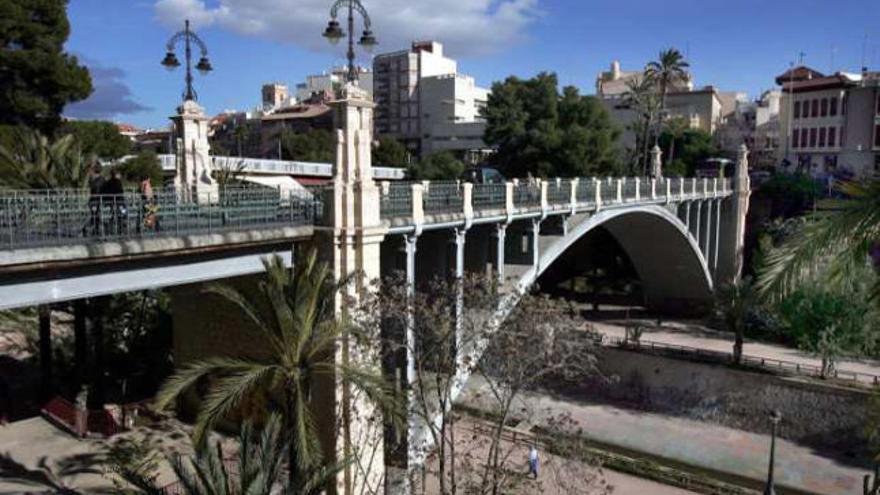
column 280, row 167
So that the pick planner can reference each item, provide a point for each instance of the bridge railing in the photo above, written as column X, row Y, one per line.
column 449, row 197
column 31, row 219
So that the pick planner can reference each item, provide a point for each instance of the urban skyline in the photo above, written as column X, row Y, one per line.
column 529, row 36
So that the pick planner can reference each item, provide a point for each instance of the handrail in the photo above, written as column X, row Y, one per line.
column 770, row 364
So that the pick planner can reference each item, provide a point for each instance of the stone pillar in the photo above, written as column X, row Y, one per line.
column 193, row 155
column 656, row 162
column 733, row 222
column 351, row 245
column 460, row 237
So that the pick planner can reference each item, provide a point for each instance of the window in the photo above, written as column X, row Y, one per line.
column 877, row 136
column 815, row 110
column 797, row 109
column 796, row 138
column 832, row 137
column 822, row 134
column 843, row 103
column 833, row 110
column 814, row 133
column 805, row 138
column 824, row 111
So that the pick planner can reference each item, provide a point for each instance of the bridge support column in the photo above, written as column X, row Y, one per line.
column 47, row 379
column 536, row 237
column 460, row 236
column 687, row 215
column 500, row 235
column 707, row 233
column 698, row 220
column 352, row 248
column 714, row 265
column 733, row 223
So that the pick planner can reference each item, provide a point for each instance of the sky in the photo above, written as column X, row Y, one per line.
column 735, row 45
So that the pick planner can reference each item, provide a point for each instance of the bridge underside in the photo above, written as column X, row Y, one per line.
column 672, row 271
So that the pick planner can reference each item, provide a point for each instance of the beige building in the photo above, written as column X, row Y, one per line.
column 275, row 95
column 831, row 123
column 423, row 101
column 707, row 108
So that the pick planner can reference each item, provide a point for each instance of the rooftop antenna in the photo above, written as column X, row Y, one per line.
column 865, row 51
column 801, row 57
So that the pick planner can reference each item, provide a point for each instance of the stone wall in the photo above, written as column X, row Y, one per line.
column 815, row 414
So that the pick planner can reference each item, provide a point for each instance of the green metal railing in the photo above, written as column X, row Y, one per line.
column 443, row 197
column 55, row 217
column 396, row 201
column 489, row 197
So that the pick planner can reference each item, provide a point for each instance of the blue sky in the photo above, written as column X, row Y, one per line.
column 736, row 45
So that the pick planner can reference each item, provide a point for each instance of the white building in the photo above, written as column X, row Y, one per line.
column 423, row 101
column 329, row 81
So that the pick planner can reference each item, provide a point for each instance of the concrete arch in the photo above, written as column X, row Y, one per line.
column 674, row 272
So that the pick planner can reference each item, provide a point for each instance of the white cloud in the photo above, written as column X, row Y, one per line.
column 465, row 27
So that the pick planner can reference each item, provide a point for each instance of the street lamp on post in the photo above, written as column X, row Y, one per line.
column 170, row 61
column 775, row 418
column 334, row 32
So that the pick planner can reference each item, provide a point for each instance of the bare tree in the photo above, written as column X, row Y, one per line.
column 539, row 342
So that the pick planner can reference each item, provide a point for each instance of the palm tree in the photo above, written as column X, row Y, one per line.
column 35, row 162
column 257, row 468
column 642, row 99
column 732, row 305
column 294, row 313
column 835, row 246
column 676, row 128
column 666, row 70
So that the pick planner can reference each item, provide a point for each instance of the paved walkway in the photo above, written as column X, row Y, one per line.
column 692, row 334
column 558, row 476
column 695, row 443
column 73, row 462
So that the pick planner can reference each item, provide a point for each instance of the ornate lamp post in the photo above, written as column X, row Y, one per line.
column 170, row 61
column 775, row 418
column 334, row 32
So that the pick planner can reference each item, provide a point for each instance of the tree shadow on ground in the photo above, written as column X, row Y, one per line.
column 54, row 477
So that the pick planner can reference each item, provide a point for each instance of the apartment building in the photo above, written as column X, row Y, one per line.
column 831, row 123
column 424, row 102
column 329, row 81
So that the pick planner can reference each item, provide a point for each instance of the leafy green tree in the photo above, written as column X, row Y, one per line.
column 314, row 145
column 37, row 77
column 828, row 324
column 389, row 152
column 669, row 68
column 689, row 147
column 144, row 164
column 442, row 165
column 98, row 138
column 294, row 313
column 35, row 162
column 541, row 132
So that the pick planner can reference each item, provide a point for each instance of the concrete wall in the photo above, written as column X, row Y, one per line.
column 819, row 415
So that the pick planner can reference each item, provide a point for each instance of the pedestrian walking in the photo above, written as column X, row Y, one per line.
column 114, row 197
column 533, row 461
column 148, row 206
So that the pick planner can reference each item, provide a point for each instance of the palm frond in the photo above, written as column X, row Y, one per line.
column 832, row 244
column 236, row 384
